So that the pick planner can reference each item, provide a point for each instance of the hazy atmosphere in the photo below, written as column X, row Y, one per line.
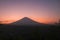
column 29, row 19
column 44, row 11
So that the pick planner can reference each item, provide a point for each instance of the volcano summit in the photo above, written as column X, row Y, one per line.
column 25, row 21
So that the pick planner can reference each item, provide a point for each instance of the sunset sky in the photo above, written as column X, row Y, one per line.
column 44, row 11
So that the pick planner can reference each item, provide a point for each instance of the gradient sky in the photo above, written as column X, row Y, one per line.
column 45, row 11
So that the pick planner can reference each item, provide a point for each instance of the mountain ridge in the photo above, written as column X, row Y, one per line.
column 26, row 21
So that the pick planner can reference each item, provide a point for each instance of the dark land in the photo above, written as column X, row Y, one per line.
column 29, row 32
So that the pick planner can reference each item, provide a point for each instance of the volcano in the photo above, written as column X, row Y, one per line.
column 26, row 21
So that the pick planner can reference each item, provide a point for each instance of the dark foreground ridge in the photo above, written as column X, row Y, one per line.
column 11, row 32
column 27, row 31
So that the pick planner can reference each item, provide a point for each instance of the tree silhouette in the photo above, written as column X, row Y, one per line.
column 59, row 21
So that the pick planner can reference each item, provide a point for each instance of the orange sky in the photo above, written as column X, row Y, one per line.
column 41, row 20
column 44, row 11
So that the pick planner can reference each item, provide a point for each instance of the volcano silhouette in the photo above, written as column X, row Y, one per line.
column 25, row 21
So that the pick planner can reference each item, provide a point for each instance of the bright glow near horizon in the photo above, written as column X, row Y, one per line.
column 45, row 11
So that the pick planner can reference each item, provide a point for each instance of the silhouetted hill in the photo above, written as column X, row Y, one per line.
column 23, row 30
column 26, row 21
